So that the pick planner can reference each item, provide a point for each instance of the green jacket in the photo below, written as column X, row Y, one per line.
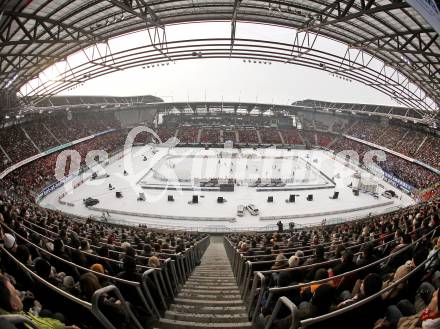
column 42, row 323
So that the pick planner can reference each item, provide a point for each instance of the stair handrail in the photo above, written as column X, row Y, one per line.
column 307, row 322
column 274, row 290
column 145, row 276
column 258, row 277
column 101, row 316
column 248, row 265
column 134, row 284
column 286, row 302
column 179, row 261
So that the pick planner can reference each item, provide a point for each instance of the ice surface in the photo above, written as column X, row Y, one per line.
column 152, row 166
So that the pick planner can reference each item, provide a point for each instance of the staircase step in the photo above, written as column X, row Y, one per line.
column 211, row 283
column 189, row 301
column 207, row 318
column 211, row 278
column 175, row 324
column 215, row 276
column 215, row 287
column 195, row 294
column 207, row 309
column 210, row 298
column 213, row 269
column 212, row 291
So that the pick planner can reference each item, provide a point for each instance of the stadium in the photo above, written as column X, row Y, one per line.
column 141, row 211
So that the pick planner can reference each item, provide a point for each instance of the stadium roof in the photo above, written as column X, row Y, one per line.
column 34, row 34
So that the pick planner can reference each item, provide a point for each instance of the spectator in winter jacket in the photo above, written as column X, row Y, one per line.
column 10, row 303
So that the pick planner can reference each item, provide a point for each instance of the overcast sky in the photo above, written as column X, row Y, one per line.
column 230, row 80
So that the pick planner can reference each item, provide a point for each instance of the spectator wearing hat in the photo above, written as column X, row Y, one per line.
column 9, row 242
column 280, row 262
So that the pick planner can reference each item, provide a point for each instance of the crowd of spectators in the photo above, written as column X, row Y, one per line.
column 78, row 257
column 291, row 136
column 229, row 135
column 31, row 178
column 39, row 238
column 406, row 140
column 210, row 135
column 165, row 133
column 248, row 136
column 324, row 139
column 188, row 134
column 429, row 152
column 23, row 140
column 17, row 146
column 365, row 130
column 318, row 283
column 391, row 136
column 409, row 172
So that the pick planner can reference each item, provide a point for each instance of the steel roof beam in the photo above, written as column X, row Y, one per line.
column 129, row 8
column 396, row 35
column 234, row 22
column 398, row 51
column 154, row 22
column 75, row 33
column 335, row 14
column 276, row 54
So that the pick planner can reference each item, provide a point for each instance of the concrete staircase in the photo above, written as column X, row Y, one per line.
column 210, row 298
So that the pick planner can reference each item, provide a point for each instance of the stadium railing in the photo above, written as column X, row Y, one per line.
column 165, row 272
column 284, row 290
column 308, row 322
column 256, row 294
column 143, row 292
column 250, row 268
column 245, row 267
column 102, row 317
column 184, row 261
column 144, row 297
column 72, row 304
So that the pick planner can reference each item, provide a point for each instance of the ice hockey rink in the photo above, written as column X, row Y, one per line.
column 154, row 174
